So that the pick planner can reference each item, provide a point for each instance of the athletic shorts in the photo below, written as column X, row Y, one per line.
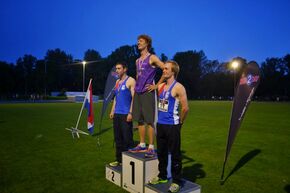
column 144, row 108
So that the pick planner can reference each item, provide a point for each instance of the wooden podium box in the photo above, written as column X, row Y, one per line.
column 137, row 171
column 114, row 174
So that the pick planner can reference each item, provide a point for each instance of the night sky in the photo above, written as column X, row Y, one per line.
column 223, row 29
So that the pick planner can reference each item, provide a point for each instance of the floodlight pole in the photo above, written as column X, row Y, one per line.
column 84, row 68
column 234, row 83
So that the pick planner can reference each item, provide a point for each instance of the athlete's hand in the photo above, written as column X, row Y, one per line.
column 151, row 87
column 129, row 117
column 111, row 115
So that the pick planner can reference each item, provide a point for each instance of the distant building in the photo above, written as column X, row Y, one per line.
column 74, row 96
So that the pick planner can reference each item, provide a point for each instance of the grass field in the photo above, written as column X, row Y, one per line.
column 38, row 155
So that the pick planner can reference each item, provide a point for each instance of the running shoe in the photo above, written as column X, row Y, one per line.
column 150, row 153
column 158, row 180
column 137, row 149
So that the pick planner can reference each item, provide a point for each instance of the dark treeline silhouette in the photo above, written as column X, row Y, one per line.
column 202, row 78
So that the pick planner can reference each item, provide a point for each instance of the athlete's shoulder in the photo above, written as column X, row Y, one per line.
column 153, row 57
column 178, row 86
column 131, row 79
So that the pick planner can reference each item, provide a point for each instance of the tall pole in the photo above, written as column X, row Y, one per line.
column 235, row 65
column 234, row 82
column 84, row 67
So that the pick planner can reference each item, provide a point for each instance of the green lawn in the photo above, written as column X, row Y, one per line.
column 38, row 155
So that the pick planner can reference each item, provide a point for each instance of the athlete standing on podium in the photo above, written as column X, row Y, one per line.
column 170, row 95
column 121, row 112
column 144, row 105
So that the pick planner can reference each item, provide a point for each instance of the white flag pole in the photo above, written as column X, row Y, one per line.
column 76, row 130
column 83, row 105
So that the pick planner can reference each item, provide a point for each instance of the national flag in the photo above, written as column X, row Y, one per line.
column 89, row 107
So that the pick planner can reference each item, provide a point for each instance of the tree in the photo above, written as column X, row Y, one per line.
column 128, row 54
column 190, row 63
column 273, row 80
column 25, row 74
column 59, row 73
column 7, row 80
column 163, row 57
column 286, row 61
column 94, row 68
column 92, row 55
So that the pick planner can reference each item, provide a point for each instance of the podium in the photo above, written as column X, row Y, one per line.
column 187, row 187
column 114, row 174
column 137, row 171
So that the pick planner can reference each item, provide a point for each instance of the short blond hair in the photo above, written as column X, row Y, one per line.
column 174, row 68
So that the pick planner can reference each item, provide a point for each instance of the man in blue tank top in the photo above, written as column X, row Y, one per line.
column 144, row 106
column 121, row 112
column 170, row 95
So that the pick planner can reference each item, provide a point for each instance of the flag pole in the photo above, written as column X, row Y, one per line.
column 226, row 153
column 77, row 124
column 75, row 129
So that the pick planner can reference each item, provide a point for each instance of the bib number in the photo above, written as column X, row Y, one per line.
column 163, row 105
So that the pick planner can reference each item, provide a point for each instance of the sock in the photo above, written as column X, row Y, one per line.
column 142, row 144
column 151, row 146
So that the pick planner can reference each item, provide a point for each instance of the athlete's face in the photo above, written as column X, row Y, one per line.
column 142, row 44
column 120, row 70
column 167, row 71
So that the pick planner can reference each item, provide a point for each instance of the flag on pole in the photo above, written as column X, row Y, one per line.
column 89, row 107
column 246, row 88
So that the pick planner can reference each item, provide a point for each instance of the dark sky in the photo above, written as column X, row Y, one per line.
column 223, row 29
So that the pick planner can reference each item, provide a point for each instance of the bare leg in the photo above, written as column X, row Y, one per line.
column 151, row 134
column 141, row 129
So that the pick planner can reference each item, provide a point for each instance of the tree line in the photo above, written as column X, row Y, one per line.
column 202, row 78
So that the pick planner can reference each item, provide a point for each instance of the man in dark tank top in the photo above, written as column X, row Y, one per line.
column 121, row 112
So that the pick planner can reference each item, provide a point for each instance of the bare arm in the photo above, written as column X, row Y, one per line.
column 155, row 61
column 114, row 104
column 136, row 69
column 131, row 86
column 113, row 109
column 181, row 95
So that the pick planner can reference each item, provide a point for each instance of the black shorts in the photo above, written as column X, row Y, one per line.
column 144, row 108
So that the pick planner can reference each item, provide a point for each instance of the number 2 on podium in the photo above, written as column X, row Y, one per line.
column 133, row 172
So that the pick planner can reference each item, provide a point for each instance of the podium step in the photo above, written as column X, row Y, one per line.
column 137, row 171
column 188, row 187
column 114, row 174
